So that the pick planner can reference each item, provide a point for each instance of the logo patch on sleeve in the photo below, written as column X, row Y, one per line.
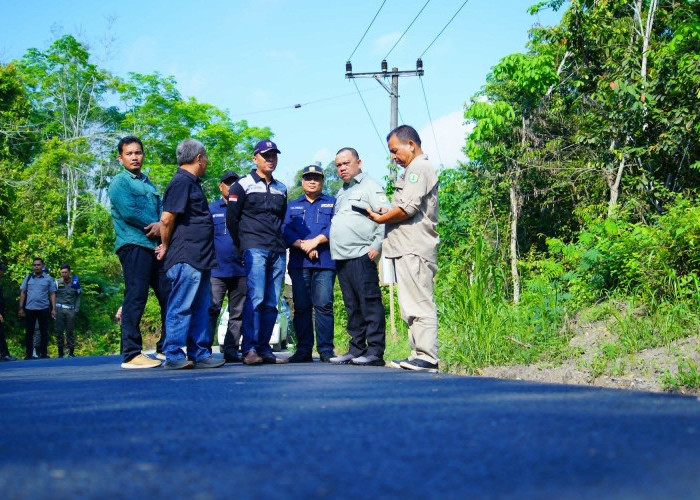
column 413, row 178
column 233, row 197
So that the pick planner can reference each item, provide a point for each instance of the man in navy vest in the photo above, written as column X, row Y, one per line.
column 228, row 277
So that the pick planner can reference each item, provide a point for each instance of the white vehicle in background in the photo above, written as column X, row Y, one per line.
column 280, row 332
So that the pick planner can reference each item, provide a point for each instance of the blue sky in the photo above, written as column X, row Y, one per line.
column 251, row 56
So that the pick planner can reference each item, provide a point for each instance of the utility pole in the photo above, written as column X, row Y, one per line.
column 393, row 90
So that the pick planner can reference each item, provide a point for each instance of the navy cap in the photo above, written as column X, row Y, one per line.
column 312, row 169
column 229, row 175
column 265, row 146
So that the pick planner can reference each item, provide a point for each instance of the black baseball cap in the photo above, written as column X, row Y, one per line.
column 232, row 176
column 312, row 169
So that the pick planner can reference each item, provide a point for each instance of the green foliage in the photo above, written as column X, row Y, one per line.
column 687, row 377
column 58, row 136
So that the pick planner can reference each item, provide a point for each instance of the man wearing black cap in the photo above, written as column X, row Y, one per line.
column 306, row 231
column 254, row 213
column 227, row 277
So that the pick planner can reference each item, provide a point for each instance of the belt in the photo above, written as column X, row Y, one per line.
column 63, row 306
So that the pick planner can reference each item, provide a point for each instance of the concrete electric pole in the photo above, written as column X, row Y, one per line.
column 393, row 90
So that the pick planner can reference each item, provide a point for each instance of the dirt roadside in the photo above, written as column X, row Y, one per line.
column 642, row 371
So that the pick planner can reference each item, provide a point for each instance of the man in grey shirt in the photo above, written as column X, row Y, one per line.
column 37, row 300
column 355, row 243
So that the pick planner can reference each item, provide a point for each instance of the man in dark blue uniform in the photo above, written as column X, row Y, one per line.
column 227, row 277
column 306, row 229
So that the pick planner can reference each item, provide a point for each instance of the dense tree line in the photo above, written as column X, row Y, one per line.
column 581, row 184
column 61, row 116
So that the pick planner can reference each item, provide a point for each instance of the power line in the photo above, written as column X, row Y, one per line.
column 370, row 117
column 431, row 120
column 444, row 28
column 297, row 106
column 409, row 27
column 368, row 27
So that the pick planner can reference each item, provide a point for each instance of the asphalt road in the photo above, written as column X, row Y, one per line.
column 85, row 428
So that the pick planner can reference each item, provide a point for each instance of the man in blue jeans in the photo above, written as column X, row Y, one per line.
column 306, row 230
column 256, row 207
column 187, row 248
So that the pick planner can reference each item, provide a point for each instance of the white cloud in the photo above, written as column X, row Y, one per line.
column 451, row 133
column 385, row 42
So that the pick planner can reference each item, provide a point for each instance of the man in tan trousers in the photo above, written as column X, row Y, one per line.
column 411, row 245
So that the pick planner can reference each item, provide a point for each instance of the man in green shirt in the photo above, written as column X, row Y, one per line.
column 68, row 294
column 136, row 209
column 355, row 243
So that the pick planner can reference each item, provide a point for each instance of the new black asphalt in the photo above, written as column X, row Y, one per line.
column 84, row 428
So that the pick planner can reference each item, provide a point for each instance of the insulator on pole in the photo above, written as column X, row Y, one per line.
column 384, row 66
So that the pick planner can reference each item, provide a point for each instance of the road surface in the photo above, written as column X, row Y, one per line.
column 83, row 427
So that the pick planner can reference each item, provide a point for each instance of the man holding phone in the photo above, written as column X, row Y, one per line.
column 355, row 243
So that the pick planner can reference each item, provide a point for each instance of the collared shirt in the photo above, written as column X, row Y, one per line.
column 416, row 192
column 135, row 203
column 255, row 212
column 306, row 220
column 228, row 258
column 192, row 240
column 67, row 294
column 38, row 289
column 352, row 232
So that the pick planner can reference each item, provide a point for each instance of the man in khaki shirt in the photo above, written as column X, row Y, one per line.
column 411, row 244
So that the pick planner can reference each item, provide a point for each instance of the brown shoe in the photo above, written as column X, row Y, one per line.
column 252, row 358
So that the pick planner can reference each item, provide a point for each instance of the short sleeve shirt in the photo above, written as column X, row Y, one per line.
column 38, row 289
column 351, row 232
column 192, row 241
column 416, row 194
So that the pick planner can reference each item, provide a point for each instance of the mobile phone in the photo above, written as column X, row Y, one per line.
column 360, row 210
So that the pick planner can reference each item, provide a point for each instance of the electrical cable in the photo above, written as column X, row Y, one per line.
column 409, row 27
column 296, row 106
column 370, row 117
column 444, row 28
column 365, row 33
column 431, row 120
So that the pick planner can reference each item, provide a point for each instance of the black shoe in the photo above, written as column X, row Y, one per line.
column 370, row 360
column 232, row 357
column 300, row 357
column 210, row 362
column 45, row 356
column 178, row 364
column 419, row 365
column 9, row 357
column 271, row 359
column 397, row 363
column 325, row 357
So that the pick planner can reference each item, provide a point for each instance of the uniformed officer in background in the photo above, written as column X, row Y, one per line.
column 306, row 229
column 37, row 301
column 4, row 351
column 228, row 277
column 68, row 295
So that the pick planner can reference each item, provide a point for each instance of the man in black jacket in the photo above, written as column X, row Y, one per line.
column 256, row 207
